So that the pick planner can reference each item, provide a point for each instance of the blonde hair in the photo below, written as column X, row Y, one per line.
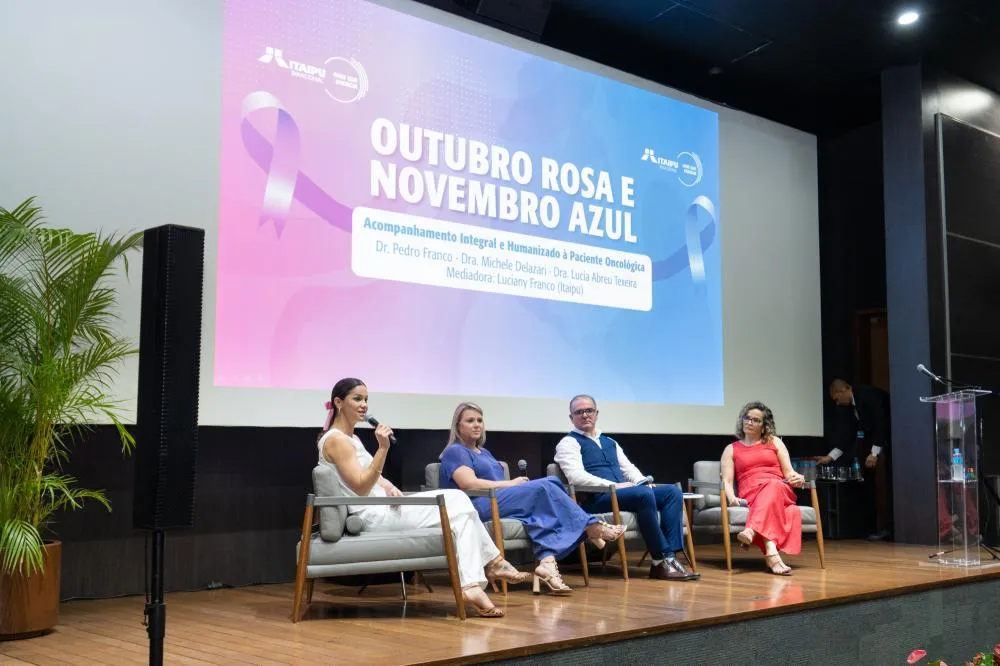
column 456, row 417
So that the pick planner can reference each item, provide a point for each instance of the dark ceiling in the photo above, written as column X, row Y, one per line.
column 811, row 64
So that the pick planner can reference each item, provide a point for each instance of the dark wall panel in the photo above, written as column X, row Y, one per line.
column 974, row 298
column 852, row 245
column 971, row 169
column 972, row 180
column 970, row 164
column 909, row 293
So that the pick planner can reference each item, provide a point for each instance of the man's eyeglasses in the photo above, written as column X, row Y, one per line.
column 753, row 420
column 586, row 411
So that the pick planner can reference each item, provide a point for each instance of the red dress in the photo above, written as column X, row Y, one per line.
column 773, row 513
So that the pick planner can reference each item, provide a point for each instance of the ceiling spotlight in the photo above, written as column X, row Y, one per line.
column 908, row 18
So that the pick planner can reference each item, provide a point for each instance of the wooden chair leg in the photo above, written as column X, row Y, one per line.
column 449, row 552
column 642, row 559
column 303, row 563
column 420, row 579
column 584, row 565
column 726, row 536
column 689, row 537
column 819, row 527
column 497, row 537
column 621, row 542
column 309, row 590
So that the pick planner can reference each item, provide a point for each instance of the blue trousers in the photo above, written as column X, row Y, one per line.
column 658, row 511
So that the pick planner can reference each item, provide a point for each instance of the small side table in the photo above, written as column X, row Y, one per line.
column 841, row 502
column 688, row 514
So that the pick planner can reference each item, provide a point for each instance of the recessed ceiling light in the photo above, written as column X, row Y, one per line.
column 908, row 18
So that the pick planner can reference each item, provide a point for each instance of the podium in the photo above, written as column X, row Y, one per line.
column 957, row 449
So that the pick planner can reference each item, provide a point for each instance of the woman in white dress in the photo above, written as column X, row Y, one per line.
column 360, row 474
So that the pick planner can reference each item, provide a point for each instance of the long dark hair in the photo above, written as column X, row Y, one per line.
column 767, row 430
column 340, row 390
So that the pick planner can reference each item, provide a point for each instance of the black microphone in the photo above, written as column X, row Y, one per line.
column 373, row 422
column 522, row 467
column 923, row 368
column 945, row 381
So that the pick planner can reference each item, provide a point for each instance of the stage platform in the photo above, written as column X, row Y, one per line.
column 859, row 610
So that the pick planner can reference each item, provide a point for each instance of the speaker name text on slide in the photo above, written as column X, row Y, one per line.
column 419, row 250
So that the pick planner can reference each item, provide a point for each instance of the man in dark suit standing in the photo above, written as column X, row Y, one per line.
column 864, row 421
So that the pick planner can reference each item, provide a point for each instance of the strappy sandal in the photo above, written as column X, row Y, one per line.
column 608, row 532
column 492, row 611
column 504, row 570
column 746, row 538
column 787, row 571
column 553, row 581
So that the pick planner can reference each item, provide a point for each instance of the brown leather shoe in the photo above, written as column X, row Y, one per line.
column 670, row 571
column 677, row 566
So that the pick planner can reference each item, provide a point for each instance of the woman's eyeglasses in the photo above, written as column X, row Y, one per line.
column 753, row 420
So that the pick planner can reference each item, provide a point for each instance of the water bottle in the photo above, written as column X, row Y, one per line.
column 957, row 466
column 856, row 470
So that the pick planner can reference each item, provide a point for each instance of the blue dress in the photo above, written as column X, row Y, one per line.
column 553, row 521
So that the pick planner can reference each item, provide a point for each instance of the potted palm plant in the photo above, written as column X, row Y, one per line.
column 60, row 348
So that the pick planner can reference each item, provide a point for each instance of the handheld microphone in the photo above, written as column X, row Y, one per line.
column 373, row 422
column 522, row 467
column 923, row 368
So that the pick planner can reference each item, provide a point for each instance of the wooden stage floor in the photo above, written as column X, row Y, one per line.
column 252, row 625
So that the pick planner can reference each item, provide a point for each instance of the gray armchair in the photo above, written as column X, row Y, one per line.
column 618, row 517
column 508, row 534
column 712, row 515
column 340, row 548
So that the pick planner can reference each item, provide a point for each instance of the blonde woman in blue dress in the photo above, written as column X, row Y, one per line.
column 552, row 520
column 360, row 474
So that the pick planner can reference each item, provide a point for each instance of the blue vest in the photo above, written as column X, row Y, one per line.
column 600, row 460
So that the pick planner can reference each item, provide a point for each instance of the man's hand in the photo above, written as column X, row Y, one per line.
column 871, row 460
column 824, row 460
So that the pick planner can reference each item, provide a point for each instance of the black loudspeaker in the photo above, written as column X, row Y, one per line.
column 173, row 267
column 525, row 15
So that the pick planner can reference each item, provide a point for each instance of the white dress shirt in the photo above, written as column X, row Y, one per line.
column 570, row 460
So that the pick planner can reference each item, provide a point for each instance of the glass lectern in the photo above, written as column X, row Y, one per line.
column 957, row 450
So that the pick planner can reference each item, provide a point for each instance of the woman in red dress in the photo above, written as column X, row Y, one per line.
column 763, row 471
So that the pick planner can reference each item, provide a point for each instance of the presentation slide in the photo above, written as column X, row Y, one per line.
column 441, row 214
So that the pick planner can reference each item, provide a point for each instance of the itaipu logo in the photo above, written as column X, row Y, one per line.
column 686, row 165
column 299, row 70
column 343, row 79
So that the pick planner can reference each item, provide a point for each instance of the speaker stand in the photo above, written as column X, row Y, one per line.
column 156, row 610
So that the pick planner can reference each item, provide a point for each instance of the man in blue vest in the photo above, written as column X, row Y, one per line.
column 589, row 458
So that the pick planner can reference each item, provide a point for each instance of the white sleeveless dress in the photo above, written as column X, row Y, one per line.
column 370, row 515
column 473, row 545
